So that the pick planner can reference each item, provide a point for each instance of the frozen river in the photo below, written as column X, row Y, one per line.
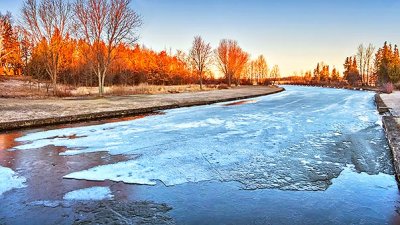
column 306, row 155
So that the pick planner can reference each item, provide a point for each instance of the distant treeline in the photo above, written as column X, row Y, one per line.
column 366, row 68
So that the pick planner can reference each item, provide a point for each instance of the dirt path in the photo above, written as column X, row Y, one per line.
column 21, row 113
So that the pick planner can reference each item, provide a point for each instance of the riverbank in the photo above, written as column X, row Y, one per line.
column 24, row 113
column 388, row 104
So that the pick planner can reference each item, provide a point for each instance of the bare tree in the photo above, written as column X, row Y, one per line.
column 369, row 54
column 275, row 74
column 48, row 22
column 261, row 68
column 105, row 24
column 361, row 62
column 231, row 59
column 25, row 47
column 364, row 60
column 250, row 71
column 200, row 56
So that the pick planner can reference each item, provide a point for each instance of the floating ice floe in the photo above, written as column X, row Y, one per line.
column 10, row 180
column 92, row 193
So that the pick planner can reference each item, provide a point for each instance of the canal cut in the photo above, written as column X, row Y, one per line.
column 299, row 139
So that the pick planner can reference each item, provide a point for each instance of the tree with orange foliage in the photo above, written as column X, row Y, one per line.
column 105, row 24
column 10, row 58
column 231, row 60
column 48, row 24
column 335, row 77
column 307, row 77
column 351, row 72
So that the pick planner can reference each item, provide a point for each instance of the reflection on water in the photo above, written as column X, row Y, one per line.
column 240, row 102
column 7, row 140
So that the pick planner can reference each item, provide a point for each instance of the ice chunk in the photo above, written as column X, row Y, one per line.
column 47, row 203
column 92, row 193
column 10, row 180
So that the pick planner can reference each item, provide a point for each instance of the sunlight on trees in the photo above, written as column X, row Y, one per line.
column 200, row 56
column 351, row 73
column 89, row 42
column 256, row 71
column 104, row 25
column 93, row 43
column 48, row 24
column 365, row 68
column 387, row 64
column 231, row 60
column 275, row 74
column 10, row 58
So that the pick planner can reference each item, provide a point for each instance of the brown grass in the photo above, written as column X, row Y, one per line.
column 63, row 92
column 25, row 87
column 153, row 89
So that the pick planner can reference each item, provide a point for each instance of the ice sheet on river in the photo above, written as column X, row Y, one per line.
column 295, row 140
column 10, row 180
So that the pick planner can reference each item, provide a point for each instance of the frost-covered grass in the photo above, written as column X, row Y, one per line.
column 10, row 180
column 295, row 140
column 92, row 193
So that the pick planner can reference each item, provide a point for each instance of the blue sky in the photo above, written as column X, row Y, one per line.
column 293, row 34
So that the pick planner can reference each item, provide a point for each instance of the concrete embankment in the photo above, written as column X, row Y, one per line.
column 389, row 107
column 391, row 126
column 24, row 113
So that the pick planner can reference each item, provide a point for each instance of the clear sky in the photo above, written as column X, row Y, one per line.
column 295, row 34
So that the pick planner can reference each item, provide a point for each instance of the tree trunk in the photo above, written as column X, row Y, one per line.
column 100, row 85
column 54, row 86
column 201, row 80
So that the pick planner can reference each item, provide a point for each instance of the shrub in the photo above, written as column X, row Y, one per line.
column 223, row 86
column 387, row 88
column 63, row 92
column 397, row 86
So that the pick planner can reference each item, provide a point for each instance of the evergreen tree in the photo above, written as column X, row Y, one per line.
column 351, row 73
column 335, row 75
column 317, row 72
column 387, row 64
column 324, row 74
